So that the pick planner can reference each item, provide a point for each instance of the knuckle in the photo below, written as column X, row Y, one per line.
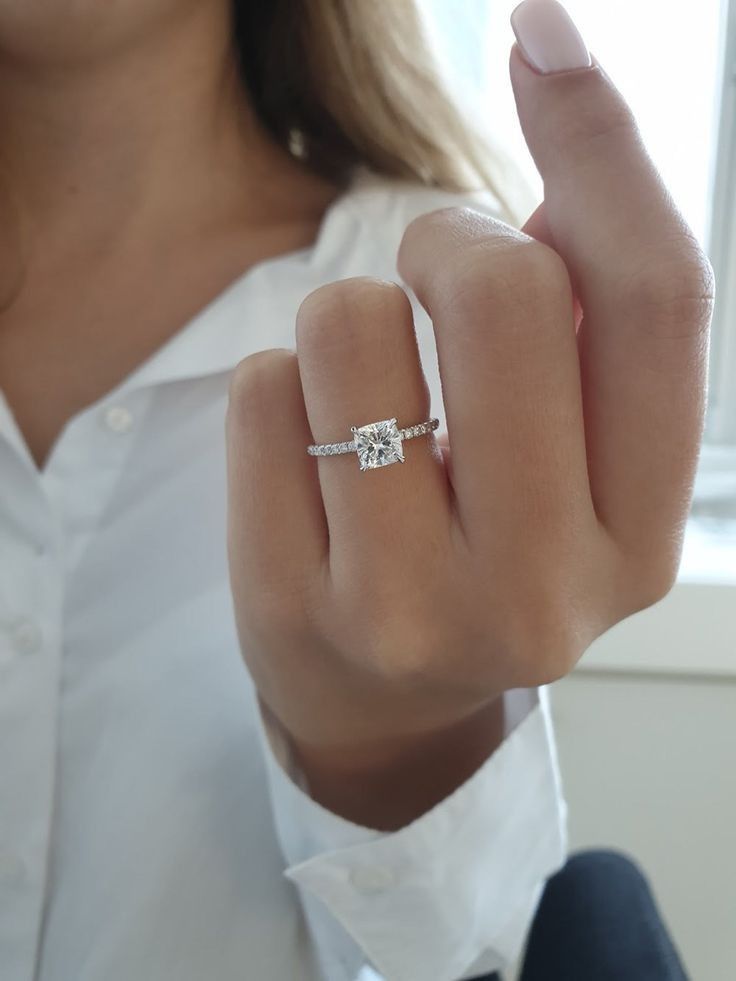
column 676, row 295
column 457, row 223
column 403, row 651
column 657, row 588
column 641, row 578
column 429, row 224
column 509, row 270
column 542, row 664
column 547, row 634
column 253, row 378
column 453, row 222
column 334, row 313
column 557, row 650
column 594, row 120
column 654, row 584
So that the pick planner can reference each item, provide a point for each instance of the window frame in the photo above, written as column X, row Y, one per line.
column 720, row 430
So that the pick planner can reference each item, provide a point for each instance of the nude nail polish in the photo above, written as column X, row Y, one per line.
column 548, row 37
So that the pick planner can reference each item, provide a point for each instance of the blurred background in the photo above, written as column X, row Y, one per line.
column 646, row 724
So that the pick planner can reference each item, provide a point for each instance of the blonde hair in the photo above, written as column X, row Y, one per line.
column 342, row 83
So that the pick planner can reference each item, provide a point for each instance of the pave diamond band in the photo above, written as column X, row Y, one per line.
column 377, row 443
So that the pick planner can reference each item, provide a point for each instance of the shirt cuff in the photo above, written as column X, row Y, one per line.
column 455, row 888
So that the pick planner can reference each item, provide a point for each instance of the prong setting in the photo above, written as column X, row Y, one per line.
column 378, row 444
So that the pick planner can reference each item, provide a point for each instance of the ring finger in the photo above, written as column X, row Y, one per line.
column 359, row 364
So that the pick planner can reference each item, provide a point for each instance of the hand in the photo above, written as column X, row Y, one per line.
column 378, row 608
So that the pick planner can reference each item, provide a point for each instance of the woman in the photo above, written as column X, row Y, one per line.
column 182, row 183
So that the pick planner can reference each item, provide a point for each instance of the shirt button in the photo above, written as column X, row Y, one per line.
column 118, row 419
column 12, row 867
column 372, row 878
column 26, row 637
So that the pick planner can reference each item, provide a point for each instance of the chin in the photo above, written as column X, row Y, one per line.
column 69, row 31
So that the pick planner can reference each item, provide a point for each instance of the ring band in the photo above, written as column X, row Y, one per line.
column 377, row 443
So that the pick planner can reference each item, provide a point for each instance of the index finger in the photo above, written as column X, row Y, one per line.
column 643, row 282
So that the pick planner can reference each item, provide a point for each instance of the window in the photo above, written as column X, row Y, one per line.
column 722, row 245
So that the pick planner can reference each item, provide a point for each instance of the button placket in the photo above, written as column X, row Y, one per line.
column 30, row 619
column 88, row 462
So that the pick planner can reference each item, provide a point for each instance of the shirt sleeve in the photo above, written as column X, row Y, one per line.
column 448, row 896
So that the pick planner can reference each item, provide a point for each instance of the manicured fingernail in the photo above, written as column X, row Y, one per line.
column 548, row 37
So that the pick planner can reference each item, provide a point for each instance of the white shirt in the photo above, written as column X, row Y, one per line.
column 150, row 826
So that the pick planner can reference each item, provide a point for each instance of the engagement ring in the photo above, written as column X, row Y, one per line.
column 377, row 443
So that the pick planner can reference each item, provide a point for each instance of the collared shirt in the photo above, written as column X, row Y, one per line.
column 152, row 825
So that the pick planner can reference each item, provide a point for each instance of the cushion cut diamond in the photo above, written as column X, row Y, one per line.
column 378, row 444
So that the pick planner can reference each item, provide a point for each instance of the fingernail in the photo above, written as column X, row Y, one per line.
column 548, row 37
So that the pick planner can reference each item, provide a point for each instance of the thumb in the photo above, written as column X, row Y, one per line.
column 606, row 209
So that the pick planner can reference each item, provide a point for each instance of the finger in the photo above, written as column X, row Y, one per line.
column 642, row 281
column 276, row 522
column 502, row 312
column 359, row 364
column 537, row 226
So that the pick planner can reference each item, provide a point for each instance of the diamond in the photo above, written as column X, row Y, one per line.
column 378, row 444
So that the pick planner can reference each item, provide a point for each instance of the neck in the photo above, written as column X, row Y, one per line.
column 156, row 133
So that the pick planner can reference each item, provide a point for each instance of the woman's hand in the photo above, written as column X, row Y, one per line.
column 379, row 608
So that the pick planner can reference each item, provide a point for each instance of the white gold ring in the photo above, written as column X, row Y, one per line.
column 377, row 444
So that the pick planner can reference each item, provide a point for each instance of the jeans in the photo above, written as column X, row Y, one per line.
column 597, row 920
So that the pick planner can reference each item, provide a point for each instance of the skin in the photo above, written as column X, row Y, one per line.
column 113, row 119
column 386, row 615
column 396, row 622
